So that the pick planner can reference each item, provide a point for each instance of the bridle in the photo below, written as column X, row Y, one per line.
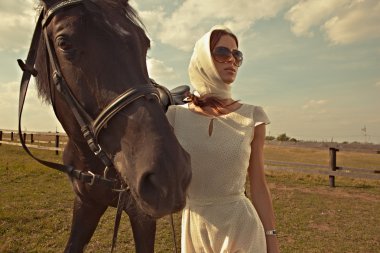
column 90, row 127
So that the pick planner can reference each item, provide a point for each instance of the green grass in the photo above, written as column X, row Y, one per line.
column 36, row 206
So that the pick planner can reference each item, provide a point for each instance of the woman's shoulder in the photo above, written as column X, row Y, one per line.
column 252, row 107
column 257, row 113
column 177, row 109
column 175, row 113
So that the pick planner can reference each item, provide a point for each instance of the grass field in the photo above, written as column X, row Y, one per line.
column 36, row 203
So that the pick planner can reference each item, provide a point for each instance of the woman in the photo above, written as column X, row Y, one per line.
column 225, row 139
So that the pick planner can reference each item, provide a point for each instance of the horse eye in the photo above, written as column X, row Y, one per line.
column 64, row 44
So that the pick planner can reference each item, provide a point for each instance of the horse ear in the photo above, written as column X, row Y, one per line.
column 47, row 3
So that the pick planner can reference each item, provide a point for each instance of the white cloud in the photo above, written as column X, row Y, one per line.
column 343, row 21
column 152, row 18
column 159, row 71
column 313, row 104
column 192, row 18
column 377, row 84
column 306, row 14
column 17, row 24
column 360, row 22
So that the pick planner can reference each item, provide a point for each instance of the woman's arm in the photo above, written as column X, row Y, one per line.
column 260, row 194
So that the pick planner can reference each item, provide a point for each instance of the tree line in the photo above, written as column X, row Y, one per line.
column 281, row 137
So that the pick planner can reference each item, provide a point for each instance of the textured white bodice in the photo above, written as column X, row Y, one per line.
column 220, row 161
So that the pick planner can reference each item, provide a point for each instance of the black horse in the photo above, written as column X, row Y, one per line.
column 91, row 64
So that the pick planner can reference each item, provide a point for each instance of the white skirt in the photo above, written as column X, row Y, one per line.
column 228, row 225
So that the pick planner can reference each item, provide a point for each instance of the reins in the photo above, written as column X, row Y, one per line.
column 90, row 128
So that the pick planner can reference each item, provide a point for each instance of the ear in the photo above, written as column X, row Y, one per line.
column 48, row 3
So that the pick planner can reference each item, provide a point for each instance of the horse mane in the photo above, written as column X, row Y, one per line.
column 104, row 13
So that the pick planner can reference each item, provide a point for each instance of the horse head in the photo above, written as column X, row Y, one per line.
column 100, row 51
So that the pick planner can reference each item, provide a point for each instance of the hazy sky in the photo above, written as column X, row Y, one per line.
column 314, row 65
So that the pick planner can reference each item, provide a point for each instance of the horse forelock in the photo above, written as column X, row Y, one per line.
column 104, row 14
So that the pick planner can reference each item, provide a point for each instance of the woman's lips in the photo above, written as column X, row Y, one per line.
column 230, row 70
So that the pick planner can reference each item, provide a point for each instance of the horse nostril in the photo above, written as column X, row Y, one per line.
column 151, row 188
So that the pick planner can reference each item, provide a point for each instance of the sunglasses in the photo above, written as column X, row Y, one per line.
column 224, row 55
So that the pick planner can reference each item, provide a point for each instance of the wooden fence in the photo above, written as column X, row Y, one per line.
column 56, row 142
column 331, row 170
column 37, row 140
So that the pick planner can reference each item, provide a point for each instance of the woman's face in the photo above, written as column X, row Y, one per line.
column 227, row 70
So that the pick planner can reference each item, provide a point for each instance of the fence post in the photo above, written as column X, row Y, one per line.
column 1, row 136
column 11, row 136
column 24, row 135
column 31, row 138
column 57, row 144
column 332, row 165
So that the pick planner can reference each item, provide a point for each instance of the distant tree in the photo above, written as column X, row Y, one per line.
column 283, row 137
column 293, row 140
column 270, row 138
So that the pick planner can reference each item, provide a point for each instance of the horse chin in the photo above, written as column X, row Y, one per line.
column 156, row 209
column 153, row 205
column 155, row 212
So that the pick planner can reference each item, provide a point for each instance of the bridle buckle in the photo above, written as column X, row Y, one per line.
column 105, row 172
column 97, row 152
column 93, row 178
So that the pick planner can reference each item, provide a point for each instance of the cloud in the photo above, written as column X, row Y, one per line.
column 314, row 104
column 343, row 21
column 306, row 14
column 377, row 84
column 16, row 25
column 361, row 22
column 159, row 71
column 186, row 23
column 152, row 19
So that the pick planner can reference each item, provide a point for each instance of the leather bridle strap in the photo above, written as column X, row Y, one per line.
column 52, row 10
column 120, row 206
column 28, row 70
column 121, row 102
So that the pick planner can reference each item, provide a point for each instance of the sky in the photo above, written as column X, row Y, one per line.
column 313, row 65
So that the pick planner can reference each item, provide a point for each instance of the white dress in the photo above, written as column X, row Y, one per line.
column 218, row 217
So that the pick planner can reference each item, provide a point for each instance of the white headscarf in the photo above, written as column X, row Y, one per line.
column 202, row 72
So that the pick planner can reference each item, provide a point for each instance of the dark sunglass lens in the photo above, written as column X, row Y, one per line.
column 222, row 53
column 238, row 55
